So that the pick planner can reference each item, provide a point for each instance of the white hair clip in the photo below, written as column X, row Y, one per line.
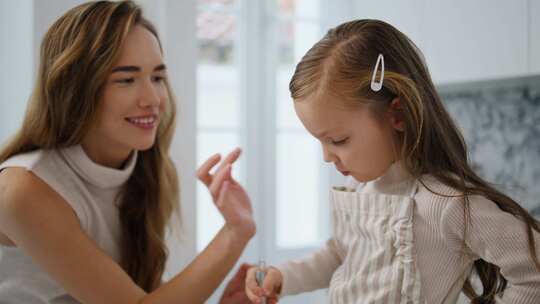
column 377, row 86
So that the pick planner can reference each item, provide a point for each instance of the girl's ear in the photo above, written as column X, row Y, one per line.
column 395, row 113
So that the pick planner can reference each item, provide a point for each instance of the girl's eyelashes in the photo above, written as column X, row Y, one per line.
column 340, row 142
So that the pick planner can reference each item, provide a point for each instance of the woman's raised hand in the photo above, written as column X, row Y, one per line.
column 228, row 195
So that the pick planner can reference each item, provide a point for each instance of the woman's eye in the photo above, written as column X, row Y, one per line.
column 125, row 80
column 339, row 142
column 158, row 78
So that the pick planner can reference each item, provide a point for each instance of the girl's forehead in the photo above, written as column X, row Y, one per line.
column 322, row 118
column 325, row 110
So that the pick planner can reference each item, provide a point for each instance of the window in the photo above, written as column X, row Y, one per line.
column 218, row 106
column 248, row 50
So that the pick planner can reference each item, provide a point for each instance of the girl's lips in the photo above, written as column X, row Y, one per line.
column 346, row 173
column 341, row 170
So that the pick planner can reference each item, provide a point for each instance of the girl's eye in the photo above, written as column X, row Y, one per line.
column 125, row 80
column 340, row 142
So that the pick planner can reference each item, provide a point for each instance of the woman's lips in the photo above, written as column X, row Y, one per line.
column 144, row 122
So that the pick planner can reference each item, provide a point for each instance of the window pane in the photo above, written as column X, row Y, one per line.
column 298, row 216
column 216, row 5
column 298, row 37
column 286, row 116
column 216, row 33
column 295, row 39
column 304, row 9
column 218, row 96
column 217, row 72
column 209, row 221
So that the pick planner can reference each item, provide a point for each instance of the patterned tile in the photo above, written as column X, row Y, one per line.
column 500, row 121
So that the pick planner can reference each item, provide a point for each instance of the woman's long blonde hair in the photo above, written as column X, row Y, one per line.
column 77, row 56
column 341, row 64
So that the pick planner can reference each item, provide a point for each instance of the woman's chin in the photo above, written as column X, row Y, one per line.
column 143, row 146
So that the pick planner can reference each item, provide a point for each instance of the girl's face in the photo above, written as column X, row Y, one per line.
column 358, row 143
column 134, row 98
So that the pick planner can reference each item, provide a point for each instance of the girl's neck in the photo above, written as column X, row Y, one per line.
column 396, row 180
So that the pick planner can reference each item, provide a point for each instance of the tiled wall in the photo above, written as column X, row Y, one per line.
column 500, row 120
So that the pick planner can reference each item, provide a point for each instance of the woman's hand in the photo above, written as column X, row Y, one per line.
column 229, row 196
column 235, row 290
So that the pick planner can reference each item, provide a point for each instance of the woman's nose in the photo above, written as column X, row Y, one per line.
column 149, row 95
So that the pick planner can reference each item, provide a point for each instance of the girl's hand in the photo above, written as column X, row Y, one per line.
column 271, row 287
column 229, row 196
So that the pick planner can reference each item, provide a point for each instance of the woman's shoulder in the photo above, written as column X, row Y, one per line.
column 20, row 188
column 44, row 166
column 25, row 160
column 22, row 196
column 31, row 180
column 29, row 174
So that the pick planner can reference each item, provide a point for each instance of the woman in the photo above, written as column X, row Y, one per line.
column 87, row 186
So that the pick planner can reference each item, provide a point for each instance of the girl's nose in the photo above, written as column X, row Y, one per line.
column 328, row 156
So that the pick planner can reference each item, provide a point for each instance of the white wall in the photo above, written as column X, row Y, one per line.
column 465, row 40
column 534, row 35
column 16, row 63
column 480, row 39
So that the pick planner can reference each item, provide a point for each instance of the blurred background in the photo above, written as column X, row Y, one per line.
column 230, row 63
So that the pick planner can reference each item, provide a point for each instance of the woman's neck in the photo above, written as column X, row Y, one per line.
column 108, row 157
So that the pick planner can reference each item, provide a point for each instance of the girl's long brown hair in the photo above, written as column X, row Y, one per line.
column 77, row 56
column 341, row 64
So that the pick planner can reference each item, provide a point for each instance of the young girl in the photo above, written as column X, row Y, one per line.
column 415, row 223
column 87, row 187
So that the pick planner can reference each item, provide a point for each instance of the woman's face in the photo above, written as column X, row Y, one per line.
column 133, row 99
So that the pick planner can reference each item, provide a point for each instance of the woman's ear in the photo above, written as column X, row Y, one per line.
column 396, row 116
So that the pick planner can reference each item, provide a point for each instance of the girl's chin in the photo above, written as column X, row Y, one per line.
column 362, row 178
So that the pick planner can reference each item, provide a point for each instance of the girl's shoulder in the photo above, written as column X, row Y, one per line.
column 431, row 187
column 450, row 209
